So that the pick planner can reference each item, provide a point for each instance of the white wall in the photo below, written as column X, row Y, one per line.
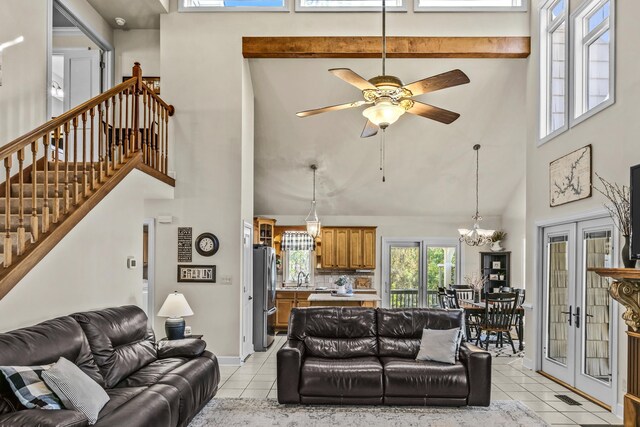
column 613, row 134
column 23, row 94
column 513, row 222
column 88, row 268
column 90, row 19
column 202, row 77
column 141, row 46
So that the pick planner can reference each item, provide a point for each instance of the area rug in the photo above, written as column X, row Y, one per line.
column 263, row 412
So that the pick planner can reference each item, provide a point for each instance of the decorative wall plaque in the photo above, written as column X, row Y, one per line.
column 197, row 273
column 570, row 177
column 185, row 244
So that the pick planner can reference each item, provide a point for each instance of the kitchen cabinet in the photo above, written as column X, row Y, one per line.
column 283, row 307
column 264, row 231
column 348, row 248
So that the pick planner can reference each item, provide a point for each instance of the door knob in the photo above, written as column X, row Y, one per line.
column 250, row 298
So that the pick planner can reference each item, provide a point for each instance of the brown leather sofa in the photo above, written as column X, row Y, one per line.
column 149, row 383
column 366, row 356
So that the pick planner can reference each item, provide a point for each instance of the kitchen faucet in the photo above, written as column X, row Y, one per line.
column 305, row 276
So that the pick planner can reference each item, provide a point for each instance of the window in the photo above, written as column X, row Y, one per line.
column 471, row 5
column 554, row 61
column 593, row 62
column 347, row 5
column 231, row 5
column 296, row 262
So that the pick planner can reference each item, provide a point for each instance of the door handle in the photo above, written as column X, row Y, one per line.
column 577, row 316
column 569, row 313
column 250, row 298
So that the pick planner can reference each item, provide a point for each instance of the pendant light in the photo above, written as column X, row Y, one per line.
column 313, row 223
column 476, row 236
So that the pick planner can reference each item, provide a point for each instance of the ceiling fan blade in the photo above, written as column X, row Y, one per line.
column 370, row 129
column 331, row 108
column 434, row 113
column 441, row 81
column 352, row 78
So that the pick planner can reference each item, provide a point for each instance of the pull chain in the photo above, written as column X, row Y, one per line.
column 384, row 179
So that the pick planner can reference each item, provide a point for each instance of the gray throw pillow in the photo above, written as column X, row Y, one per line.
column 440, row 345
column 76, row 389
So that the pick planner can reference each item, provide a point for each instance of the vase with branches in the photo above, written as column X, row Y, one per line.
column 619, row 208
column 476, row 282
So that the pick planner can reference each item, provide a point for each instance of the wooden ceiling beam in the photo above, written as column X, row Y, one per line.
column 397, row 47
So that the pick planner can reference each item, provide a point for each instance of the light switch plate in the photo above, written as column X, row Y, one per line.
column 225, row 280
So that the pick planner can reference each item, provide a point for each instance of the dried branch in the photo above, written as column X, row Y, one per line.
column 619, row 207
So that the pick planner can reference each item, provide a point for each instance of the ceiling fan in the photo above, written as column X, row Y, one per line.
column 389, row 98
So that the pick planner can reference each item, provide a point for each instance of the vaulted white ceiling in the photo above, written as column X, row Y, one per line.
column 430, row 167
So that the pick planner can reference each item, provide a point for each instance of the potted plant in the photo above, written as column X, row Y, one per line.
column 496, row 238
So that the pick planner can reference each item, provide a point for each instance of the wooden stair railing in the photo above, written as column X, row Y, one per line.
column 55, row 174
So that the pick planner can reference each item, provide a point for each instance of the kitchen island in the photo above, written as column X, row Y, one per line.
column 355, row 300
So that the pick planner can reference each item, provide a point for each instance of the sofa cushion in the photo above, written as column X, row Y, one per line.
column 335, row 332
column 355, row 377
column 400, row 331
column 40, row 418
column 28, row 386
column 151, row 373
column 155, row 406
column 46, row 343
column 120, row 341
column 417, row 378
column 117, row 397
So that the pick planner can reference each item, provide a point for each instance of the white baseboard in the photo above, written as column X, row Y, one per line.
column 527, row 363
column 618, row 410
column 229, row 360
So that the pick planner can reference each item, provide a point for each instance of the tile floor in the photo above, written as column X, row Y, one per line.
column 510, row 381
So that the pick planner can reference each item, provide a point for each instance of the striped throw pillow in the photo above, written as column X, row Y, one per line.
column 27, row 384
column 76, row 389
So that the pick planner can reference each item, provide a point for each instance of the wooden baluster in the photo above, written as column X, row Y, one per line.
column 101, row 139
column 107, row 140
column 22, row 240
column 127, row 147
column 121, row 130
column 92, row 165
column 56, row 178
column 35, row 229
column 8, row 250
column 145, row 153
column 166, row 141
column 85, row 173
column 76, row 180
column 137, row 72
column 45, row 201
column 67, row 184
column 157, row 107
column 114, row 143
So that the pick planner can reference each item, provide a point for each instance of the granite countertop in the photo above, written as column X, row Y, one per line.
column 322, row 291
column 355, row 297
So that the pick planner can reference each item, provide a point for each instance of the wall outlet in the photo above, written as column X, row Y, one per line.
column 225, row 280
column 132, row 263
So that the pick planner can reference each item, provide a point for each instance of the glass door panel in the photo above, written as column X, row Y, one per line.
column 404, row 275
column 441, row 271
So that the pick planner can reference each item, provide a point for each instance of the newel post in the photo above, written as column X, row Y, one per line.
column 137, row 73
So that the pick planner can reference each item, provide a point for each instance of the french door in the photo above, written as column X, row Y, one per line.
column 413, row 269
column 579, row 332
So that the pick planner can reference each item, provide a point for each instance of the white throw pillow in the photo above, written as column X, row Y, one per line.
column 76, row 389
column 440, row 345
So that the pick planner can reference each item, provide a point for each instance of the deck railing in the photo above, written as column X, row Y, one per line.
column 409, row 298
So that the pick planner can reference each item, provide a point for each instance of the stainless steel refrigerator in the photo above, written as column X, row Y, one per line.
column 264, row 297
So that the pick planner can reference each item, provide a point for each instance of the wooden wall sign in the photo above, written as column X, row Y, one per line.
column 197, row 273
column 185, row 244
column 570, row 177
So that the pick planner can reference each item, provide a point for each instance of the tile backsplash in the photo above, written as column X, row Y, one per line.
column 328, row 278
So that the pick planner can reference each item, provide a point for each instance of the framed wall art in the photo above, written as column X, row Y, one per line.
column 197, row 273
column 570, row 177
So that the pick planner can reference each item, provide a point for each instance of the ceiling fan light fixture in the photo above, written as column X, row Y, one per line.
column 312, row 220
column 384, row 113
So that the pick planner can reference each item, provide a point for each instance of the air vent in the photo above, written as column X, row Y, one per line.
column 566, row 399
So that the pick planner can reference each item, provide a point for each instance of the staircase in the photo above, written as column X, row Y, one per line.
column 55, row 174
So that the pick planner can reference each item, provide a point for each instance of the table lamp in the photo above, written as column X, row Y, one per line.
column 175, row 307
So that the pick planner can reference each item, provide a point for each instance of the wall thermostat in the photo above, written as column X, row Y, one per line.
column 131, row 263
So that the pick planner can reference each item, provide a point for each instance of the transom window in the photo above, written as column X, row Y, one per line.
column 347, row 5
column 470, row 5
column 554, row 61
column 593, row 43
column 230, row 5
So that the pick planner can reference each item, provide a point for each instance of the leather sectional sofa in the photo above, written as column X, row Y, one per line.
column 366, row 356
column 149, row 384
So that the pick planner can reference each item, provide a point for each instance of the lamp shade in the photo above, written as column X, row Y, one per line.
column 175, row 305
column 384, row 113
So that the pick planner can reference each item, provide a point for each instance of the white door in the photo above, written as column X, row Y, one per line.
column 81, row 76
column 580, row 317
column 247, row 291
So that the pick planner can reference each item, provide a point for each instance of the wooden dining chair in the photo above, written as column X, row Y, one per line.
column 442, row 297
column 498, row 318
column 465, row 294
column 452, row 299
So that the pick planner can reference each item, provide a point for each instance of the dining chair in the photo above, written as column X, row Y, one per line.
column 442, row 297
column 498, row 318
column 452, row 299
column 465, row 294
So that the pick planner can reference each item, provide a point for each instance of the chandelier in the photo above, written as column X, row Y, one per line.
column 313, row 223
column 476, row 236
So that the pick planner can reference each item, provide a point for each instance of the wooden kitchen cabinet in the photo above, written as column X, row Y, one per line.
column 283, row 307
column 264, row 231
column 328, row 248
column 369, row 248
column 355, row 248
column 342, row 248
column 348, row 248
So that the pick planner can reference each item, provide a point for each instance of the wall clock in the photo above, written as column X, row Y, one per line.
column 207, row 244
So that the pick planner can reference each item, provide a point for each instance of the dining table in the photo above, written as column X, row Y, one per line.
column 476, row 309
